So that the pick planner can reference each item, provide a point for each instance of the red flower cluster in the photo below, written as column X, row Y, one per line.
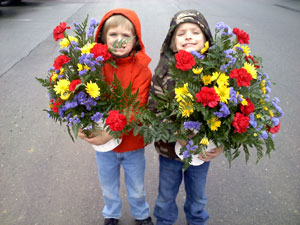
column 241, row 35
column 249, row 57
column 240, row 123
column 101, row 50
column 207, row 96
column 275, row 129
column 54, row 106
column 115, row 120
column 184, row 60
column 58, row 32
column 247, row 109
column 73, row 84
column 60, row 61
column 242, row 77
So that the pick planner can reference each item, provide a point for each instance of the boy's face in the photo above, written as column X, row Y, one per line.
column 189, row 37
column 120, row 33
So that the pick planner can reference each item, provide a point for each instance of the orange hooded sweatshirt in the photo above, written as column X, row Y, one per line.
column 134, row 69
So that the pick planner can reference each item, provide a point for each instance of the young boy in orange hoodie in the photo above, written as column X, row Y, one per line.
column 132, row 63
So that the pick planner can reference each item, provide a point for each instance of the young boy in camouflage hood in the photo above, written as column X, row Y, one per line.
column 188, row 31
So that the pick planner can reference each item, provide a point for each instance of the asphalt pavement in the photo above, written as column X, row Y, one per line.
column 46, row 179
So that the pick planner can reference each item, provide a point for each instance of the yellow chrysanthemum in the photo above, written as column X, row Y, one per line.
column 271, row 113
column 62, row 86
column 64, row 43
column 214, row 123
column 204, row 141
column 87, row 48
column 79, row 66
column 204, row 49
column 186, row 109
column 263, row 89
column 50, row 106
column 266, row 108
column 197, row 70
column 236, row 46
column 215, row 75
column 255, row 134
column 223, row 92
column 65, row 95
column 251, row 69
column 223, row 80
column 246, row 50
column 54, row 76
column 258, row 116
column 92, row 89
column 61, row 71
column 182, row 93
column 262, row 101
column 206, row 79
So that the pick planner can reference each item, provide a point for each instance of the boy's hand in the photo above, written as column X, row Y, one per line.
column 212, row 154
column 100, row 138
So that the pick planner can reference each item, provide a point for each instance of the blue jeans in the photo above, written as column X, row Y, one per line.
column 170, row 177
column 133, row 164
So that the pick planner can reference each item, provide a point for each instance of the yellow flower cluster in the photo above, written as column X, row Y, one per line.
column 184, row 98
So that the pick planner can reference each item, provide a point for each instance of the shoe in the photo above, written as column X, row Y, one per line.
column 147, row 221
column 111, row 221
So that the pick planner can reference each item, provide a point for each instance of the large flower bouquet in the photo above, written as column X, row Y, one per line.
column 222, row 96
column 77, row 90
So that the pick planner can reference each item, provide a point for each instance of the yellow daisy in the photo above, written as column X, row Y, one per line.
column 206, row 79
column 223, row 79
column 204, row 49
column 182, row 93
column 62, row 86
column 65, row 95
column 251, row 69
column 215, row 76
column 197, row 70
column 92, row 89
column 246, row 50
column 186, row 109
column 214, row 123
column 204, row 141
column 87, row 48
column 223, row 92
column 54, row 76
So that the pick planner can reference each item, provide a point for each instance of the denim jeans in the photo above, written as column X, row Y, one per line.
column 170, row 177
column 133, row 163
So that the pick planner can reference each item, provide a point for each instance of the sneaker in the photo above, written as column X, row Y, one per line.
column 147, row 221
column 111, row 221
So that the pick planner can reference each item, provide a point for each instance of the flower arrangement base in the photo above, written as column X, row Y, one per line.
column 108, row 146
column 195, row 160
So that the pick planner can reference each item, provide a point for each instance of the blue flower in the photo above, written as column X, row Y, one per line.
column 186, row 154
column 264, row 135
column 220, row 25
column 224, row 111
column 252, row 121
column 190, row 146
column 233, row 96
column 197, row 54
column 189, row 125
column 82, row 72
column 275, row 121
column 97, row 116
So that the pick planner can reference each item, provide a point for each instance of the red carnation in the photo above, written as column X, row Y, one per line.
column 247, row 109
column 101, row 50
column 275, row 129
column 60, row 61
column 249, row 57
column 115, row 120
column 242, row 77
column 73, row 84
column 208, row 96
column 54, row 107
column 241, row 35
column 184, row 60
column 58, row 32
column 240, row 123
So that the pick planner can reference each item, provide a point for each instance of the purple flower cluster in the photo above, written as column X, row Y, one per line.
column 93, row 23
column 190, row 148
column 97, row 116
column 73, row 120
column 198, row 55
column 224, row 111
column 226, row 29
column 231, row 60
column 233, row 96
column 252, row 121
column 84, row 99
column 190, row 125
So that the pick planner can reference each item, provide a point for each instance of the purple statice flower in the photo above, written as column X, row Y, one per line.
column 76, row 25
column 267, row 98
column 266, row 75
column 276, row 100
column 68, row 116
column 239, row 49
column 252, row 121
column 97, row 116
column 224, row 111
column 264, row 135
column 74, row 43
column 82, row 115
column 190, row 146
column 186, row 154
column 70, row 105
column 224, row 67
column 51, row 69
column 190, row 125
column 228, row 52
column 82, row 72
column 99, row 59
column 60, row 76
column 268, row 90
column 220, row 25
column 278, row 109
column 233, row 96
column 77, row 49
column 73, row 120
column 198, row 55
column 94, row 22
column 61, row 113
column 259, row 128
column 64, row 50
column 84, row 99
column 81, row 97
column 275, row 121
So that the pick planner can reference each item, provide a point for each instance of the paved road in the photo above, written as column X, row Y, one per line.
column 47, row 179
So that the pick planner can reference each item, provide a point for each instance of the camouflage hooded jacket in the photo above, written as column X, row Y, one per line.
column 162, row 81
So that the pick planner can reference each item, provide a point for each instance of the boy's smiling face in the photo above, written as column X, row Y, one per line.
column 189, row 37
column 120, row 33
